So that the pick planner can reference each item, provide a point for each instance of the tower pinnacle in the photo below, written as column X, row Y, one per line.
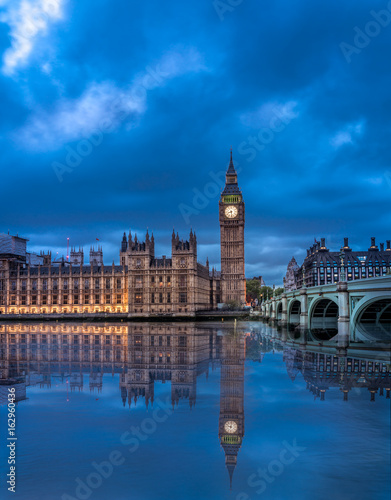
column 231, row 169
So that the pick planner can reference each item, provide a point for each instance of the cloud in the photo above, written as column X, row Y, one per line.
column 347, row 135
column 28, row 20
column 75, row 118
column 268, row 112
column 292, row 189
column 103, row 106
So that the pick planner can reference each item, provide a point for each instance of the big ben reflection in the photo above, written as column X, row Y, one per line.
column 231, row 420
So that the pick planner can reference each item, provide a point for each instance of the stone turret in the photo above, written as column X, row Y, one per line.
column 96, row 256
column 140, row 251
column 47, row 258
column 77, row 257
column 184, row 246
column 124, row 244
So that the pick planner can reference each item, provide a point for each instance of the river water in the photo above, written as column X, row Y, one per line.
column 152, row 411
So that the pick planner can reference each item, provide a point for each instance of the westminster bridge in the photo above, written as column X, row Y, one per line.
column 359, row 308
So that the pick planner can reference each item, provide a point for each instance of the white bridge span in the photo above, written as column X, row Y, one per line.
column 359, row 307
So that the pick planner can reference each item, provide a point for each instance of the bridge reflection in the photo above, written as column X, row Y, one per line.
column 326, row 364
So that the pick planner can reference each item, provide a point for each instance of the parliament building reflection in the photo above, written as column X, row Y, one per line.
column 175, row 353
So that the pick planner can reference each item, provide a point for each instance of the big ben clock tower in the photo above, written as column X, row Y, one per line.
column 231, row 215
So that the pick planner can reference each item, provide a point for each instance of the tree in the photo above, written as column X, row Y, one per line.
column 233, row 305
column 254, row 290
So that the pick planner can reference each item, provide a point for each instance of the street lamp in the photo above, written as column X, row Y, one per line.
column 342, row 259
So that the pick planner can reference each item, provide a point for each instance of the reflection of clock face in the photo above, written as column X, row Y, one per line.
column 231, row 212
column 230, row 426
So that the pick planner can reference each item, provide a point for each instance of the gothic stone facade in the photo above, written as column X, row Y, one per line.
column 142, row 285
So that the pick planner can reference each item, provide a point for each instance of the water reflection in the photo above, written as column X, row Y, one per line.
column 141, row 355
column 231, row 419
column 325, row 361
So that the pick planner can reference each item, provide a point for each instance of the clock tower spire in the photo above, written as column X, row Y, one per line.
column 231, row 215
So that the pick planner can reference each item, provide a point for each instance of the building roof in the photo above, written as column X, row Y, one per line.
column 231, row 184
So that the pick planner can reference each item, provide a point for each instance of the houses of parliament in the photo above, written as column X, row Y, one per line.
column 141, row 285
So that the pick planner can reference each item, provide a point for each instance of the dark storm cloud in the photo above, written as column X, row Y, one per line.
column 309, row 130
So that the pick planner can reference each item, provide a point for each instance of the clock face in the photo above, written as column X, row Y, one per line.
column 230, row 426
column 231, row 212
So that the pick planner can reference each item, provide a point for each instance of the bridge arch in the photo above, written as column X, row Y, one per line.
column 279, row 311
column 323, row 318
column 372, row 319
column 294, row 311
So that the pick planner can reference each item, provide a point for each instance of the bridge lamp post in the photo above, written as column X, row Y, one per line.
column 342, row 259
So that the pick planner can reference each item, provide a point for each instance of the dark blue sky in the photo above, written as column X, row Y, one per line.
column 153, row 94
